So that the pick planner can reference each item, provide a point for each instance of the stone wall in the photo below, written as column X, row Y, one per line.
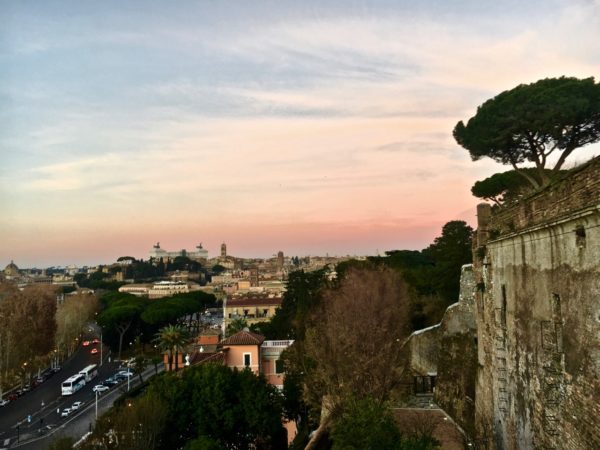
column 449, row 350
column 537, row 269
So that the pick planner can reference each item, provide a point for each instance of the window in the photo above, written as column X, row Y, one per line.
column 247, row 359
column 279, row 366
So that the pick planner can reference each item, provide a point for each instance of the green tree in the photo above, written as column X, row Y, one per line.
column 120, row 313
column 530, row 122
column 135, row 425
column 218, row 269
column 504, row 188
column 302, row 295
column 173, row 339
column 216, row 405
column 236, row 325
column 366, row 425
column 449, row 252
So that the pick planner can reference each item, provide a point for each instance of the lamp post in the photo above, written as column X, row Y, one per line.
column 100, row 347
column 96, row 405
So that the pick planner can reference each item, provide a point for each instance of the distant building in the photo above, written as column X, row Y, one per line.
column 159, row 289
column 168, row 288
column 254, row 280
column 243, row 350
column 11, row 271
column 223, row 250
column 280, row 260
column 139, row 290
column 199, row 254
column 253, row 308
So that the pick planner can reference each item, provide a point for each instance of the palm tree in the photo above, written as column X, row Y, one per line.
column 237, row 324
column 172, row 339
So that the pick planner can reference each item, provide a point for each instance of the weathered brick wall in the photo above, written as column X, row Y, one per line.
column 579, row 190
column 538, row 319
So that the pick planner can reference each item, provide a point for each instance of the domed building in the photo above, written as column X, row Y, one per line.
column 11, row 271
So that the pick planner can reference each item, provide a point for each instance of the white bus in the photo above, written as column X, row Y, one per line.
column 89, row 372
column 73, row 384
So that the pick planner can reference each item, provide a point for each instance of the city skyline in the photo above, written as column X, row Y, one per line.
column 306, row 128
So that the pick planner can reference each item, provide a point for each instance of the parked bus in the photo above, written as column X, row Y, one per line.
column 73, row 384
column 89, row 372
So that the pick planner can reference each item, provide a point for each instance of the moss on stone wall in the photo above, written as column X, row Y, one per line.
column 455, row 388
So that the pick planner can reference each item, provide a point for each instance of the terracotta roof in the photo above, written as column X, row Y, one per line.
column 207, row 357
column 244, row 338
column 253, row 301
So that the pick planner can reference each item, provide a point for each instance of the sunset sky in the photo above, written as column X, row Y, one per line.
column 310, row 127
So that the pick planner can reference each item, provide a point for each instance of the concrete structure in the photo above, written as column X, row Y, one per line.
column 223, row 250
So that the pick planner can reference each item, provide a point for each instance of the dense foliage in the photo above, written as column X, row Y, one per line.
column 530, row 122
column 126, row 317
column 368, row 425
column 215, row 405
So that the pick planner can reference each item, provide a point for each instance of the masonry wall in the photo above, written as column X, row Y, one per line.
column 449, row 350
column 537, row 269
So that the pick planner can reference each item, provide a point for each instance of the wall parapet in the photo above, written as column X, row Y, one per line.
column 579, row 189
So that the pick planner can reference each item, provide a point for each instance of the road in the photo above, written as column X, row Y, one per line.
column 78, row 424
column 41, row 405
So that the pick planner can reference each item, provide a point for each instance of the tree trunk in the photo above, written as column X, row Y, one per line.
column 318, row 435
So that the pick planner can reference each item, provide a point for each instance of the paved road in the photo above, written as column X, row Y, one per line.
column 83, row 421
column 42, row 403
column 44, row 399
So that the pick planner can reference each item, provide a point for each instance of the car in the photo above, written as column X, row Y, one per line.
column 100, row 388
column 4, row 402
column 12, row 396
column 56, row 369
column 76, row 405
column 85, row 343
column 96, row 341
column 124, row 373
column 94, row 351
column 110, row 381
column 40, row 379
column 65, row 412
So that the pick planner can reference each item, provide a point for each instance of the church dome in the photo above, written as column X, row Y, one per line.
column 11, row 270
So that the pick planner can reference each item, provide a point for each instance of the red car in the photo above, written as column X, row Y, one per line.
column 86, row 343
column 96, row 341
column 94, row 351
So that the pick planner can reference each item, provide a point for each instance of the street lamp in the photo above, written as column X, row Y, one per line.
column 96, row 405
column 100, row 347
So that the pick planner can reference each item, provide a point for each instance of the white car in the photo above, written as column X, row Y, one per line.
column 100, row 388
column 124, row 374
column 65, row 412
column 4, row 402
column 76, row 405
